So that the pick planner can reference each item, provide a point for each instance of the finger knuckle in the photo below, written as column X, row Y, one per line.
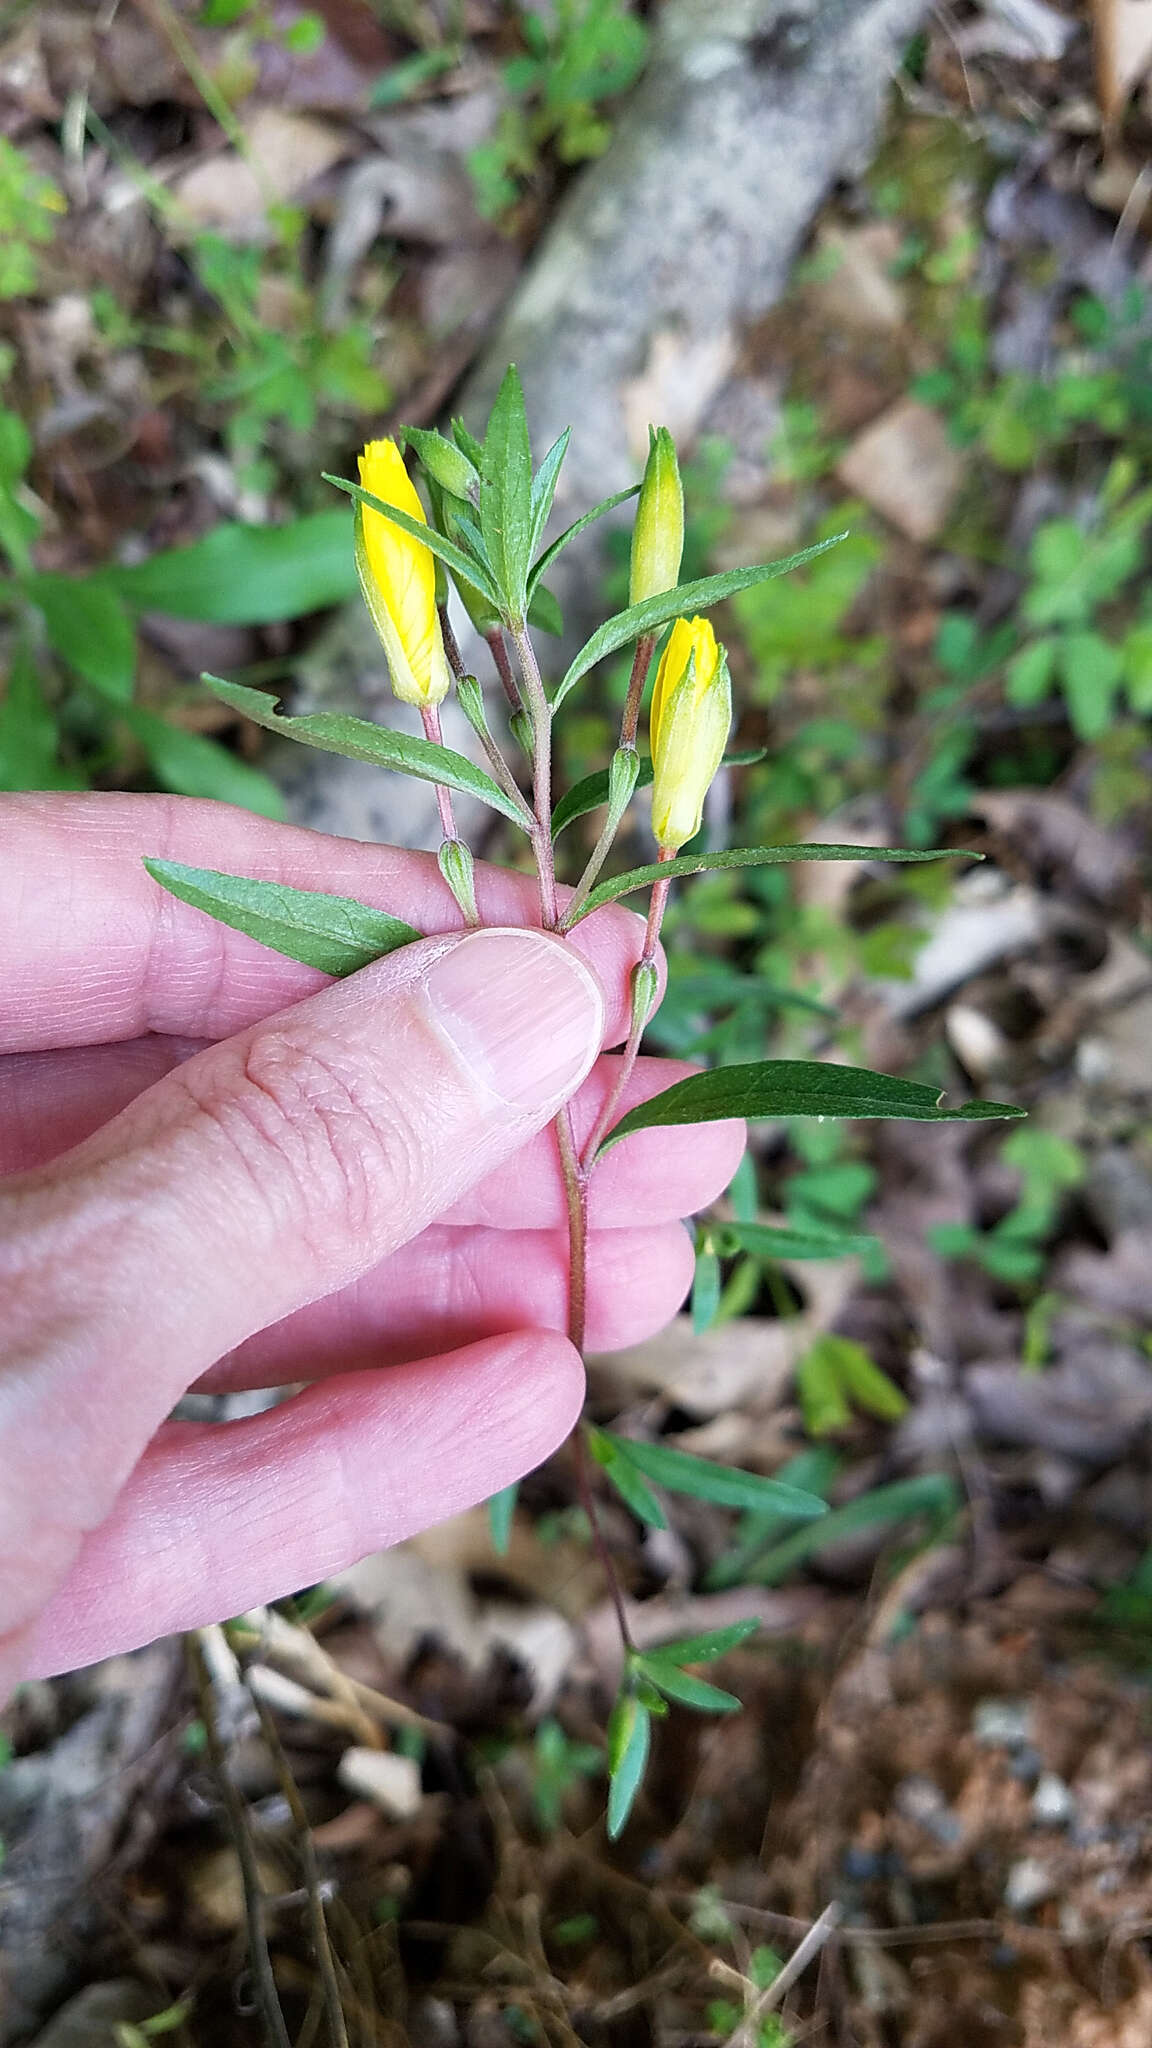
column 331, row 1153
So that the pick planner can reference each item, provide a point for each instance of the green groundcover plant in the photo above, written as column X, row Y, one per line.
column 489, row 508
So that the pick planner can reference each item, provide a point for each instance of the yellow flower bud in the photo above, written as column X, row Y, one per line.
column 398, row 578
column 658, row 535
column 691, row 714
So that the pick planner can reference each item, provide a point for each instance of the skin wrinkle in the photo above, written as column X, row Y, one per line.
column 177, row 1264
column 414, row 1304
column 413, row 1448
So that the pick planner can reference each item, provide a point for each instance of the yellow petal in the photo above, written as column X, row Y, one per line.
column 398, row 574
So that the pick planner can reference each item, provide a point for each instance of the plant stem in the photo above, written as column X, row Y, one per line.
column 263, row 1976
column 636, row 681
column 575, row 1175
column 540, row 712
column 430, row 715
column 576, row 1197
column 596, row 860
column 498, row 645
column 607, row 1115
column 588, row 1501
column 451, row 644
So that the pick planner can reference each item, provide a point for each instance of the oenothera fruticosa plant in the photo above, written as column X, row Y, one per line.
column 489, row 509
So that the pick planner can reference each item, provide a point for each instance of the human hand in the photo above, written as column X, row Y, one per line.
column 224, row 1171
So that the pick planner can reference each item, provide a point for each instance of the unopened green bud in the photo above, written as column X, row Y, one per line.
column 457, row 869
column 470, row 698
column 444, row 463
column 658, row 535
column 645, row 984
column 622, row 782
column 522, row 732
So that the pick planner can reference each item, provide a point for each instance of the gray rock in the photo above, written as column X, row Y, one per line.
column 1002, row 1724
column 1052, row 1802
column 686, row 228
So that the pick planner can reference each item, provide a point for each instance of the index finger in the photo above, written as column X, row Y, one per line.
column 96, row 952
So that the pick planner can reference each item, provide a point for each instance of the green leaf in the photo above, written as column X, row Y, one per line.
column 592, row 790
column 454, row 558
column 359, row 740
column 1091, row 668
column 544, row 612
column 193, row 765
column 589, row 794
column 544, row 489
column 933, row 1493
column 629, row 1741
column 1030, row 673
column 775, row 1241
column 544, row 563
column 654, row 612
column 28, row 732
column 704, row 1649
column 506, row 496
column 680, row 1472
column 246, row 575
column 401, row 80
column 473, row 449
column 705, row 1288
column 835, row 1373
column 774, row 1088
column 334, row 933
column 753, row 857
column 636, row 1494
column 690, row 1691
column 501, row 1509
column 90, row 629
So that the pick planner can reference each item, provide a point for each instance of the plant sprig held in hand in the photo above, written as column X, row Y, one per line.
column 484, row 540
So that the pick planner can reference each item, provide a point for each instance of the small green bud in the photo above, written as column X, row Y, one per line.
column 645, row 985
column 658, row 535
column 457, row 869
column 443, row 462
column 470, row 698
column 622, row 782
column 522, row 732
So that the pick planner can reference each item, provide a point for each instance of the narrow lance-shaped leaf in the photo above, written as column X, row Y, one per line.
column 246, row 575
column 334, row 933
column 703, row 1649
column 88, row 625
column 774, row 1088
column 544, row 563
column 501, row 1509
column 782, row 1241
column 359, row 740
column 629, row 1740
column 191, row 764
column 544, row 489
column 680, row 1472
column 592, row 790
column 687, row 598
column 754, row 857
column 689, row 1691
column 506, row 495
column 453, row 557
column 634, row 1491
column 931, row 1493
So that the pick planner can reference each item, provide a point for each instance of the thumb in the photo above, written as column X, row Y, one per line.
column 268, row 1170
